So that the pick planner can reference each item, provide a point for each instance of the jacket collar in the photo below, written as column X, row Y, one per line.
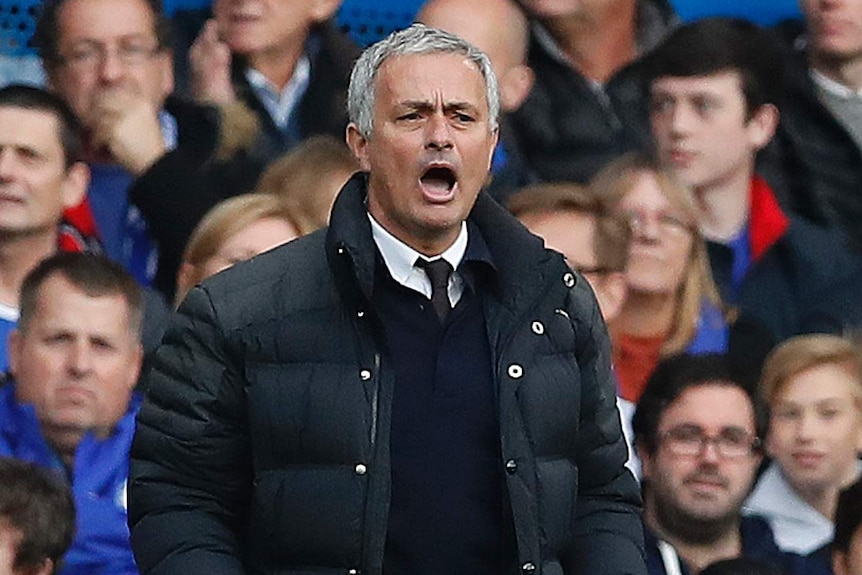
column 767, row 221
column 520, row 260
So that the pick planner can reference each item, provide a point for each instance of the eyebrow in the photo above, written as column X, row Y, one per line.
column 426, row 105
column 132, row 37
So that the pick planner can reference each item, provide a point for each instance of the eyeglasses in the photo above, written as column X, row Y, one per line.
column 88, row 56
column 667, row 223
column 689, row 441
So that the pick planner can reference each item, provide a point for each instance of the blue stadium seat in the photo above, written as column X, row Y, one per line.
column 766, row 12
column 17, row 22
column 367, row 21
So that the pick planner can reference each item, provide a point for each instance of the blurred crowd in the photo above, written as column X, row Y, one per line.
column 704, row 177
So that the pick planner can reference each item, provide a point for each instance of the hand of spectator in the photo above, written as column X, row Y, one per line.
column 210, row 67
column 128, row 126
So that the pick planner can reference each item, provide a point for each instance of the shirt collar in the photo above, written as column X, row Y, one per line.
column 835, row 88
column 400, row 259
column 280, row 103
column 170, row 130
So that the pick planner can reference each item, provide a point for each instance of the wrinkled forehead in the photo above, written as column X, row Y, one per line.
column 434, row 77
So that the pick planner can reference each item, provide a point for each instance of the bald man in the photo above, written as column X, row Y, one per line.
column 500, row 29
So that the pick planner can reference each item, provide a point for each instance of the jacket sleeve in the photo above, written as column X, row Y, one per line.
column 181, row 186
column 608, row 534
column 190, row 462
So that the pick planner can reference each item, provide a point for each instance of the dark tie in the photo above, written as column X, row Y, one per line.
column 438, row 272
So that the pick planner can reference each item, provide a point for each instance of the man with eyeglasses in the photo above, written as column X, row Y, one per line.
column 697, row 430
column 153, row 160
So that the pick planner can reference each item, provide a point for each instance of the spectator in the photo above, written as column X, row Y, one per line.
column 75, row 358
column 672, row 304
column 308, row 178
column 34, row 124
column 813, row 387
column 111, row 62
column 819, row 140
column 231, row 232
column 284, row 61
column 37, row 519
column 573, row 221
column 714, row 88
column 500, row 29
column 847, row 546
column 584, row 109
column 697, row 430
column 301, row 396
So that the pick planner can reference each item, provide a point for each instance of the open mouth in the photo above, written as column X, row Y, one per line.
column 438, row 182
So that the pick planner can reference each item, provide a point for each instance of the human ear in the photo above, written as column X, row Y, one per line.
column 762, row 125
column 75, row 184
column 515, row 86
column 358, row 144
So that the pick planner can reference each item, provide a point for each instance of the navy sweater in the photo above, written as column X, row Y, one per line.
column 447, row 513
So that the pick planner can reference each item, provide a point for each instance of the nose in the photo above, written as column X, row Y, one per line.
column 80, row 359
column 680, row 119
column 110, row 67
column 438, row 135
column 806, row 427
column 709, row 451
column 7, row 164
column 645, row 227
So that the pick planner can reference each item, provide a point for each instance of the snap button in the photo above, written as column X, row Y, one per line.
column 353, row 572
column 360, row 469
column 340, row 251
column 515, row 371
column 365, row 375
column 569, row 279
column 360, row 313
column 538, row 328
column 511, row 467
column 528, row 567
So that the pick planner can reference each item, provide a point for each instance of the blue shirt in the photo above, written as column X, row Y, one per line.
column 8, row 321
column 98, row 479
column 740, row 246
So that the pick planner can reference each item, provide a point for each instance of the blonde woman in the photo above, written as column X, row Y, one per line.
column 672, row 304
column 234, row 230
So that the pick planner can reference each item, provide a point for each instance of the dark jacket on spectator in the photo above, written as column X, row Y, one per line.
column 757, row 543
column 323, row 107
column 266, row 431
column 176, row 191
column 813, row 162
column 567, row 128
column 802, row 278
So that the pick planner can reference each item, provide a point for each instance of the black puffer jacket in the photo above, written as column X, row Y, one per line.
column 263, row 444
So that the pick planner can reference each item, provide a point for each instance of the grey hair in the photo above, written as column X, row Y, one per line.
column 416, row 39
